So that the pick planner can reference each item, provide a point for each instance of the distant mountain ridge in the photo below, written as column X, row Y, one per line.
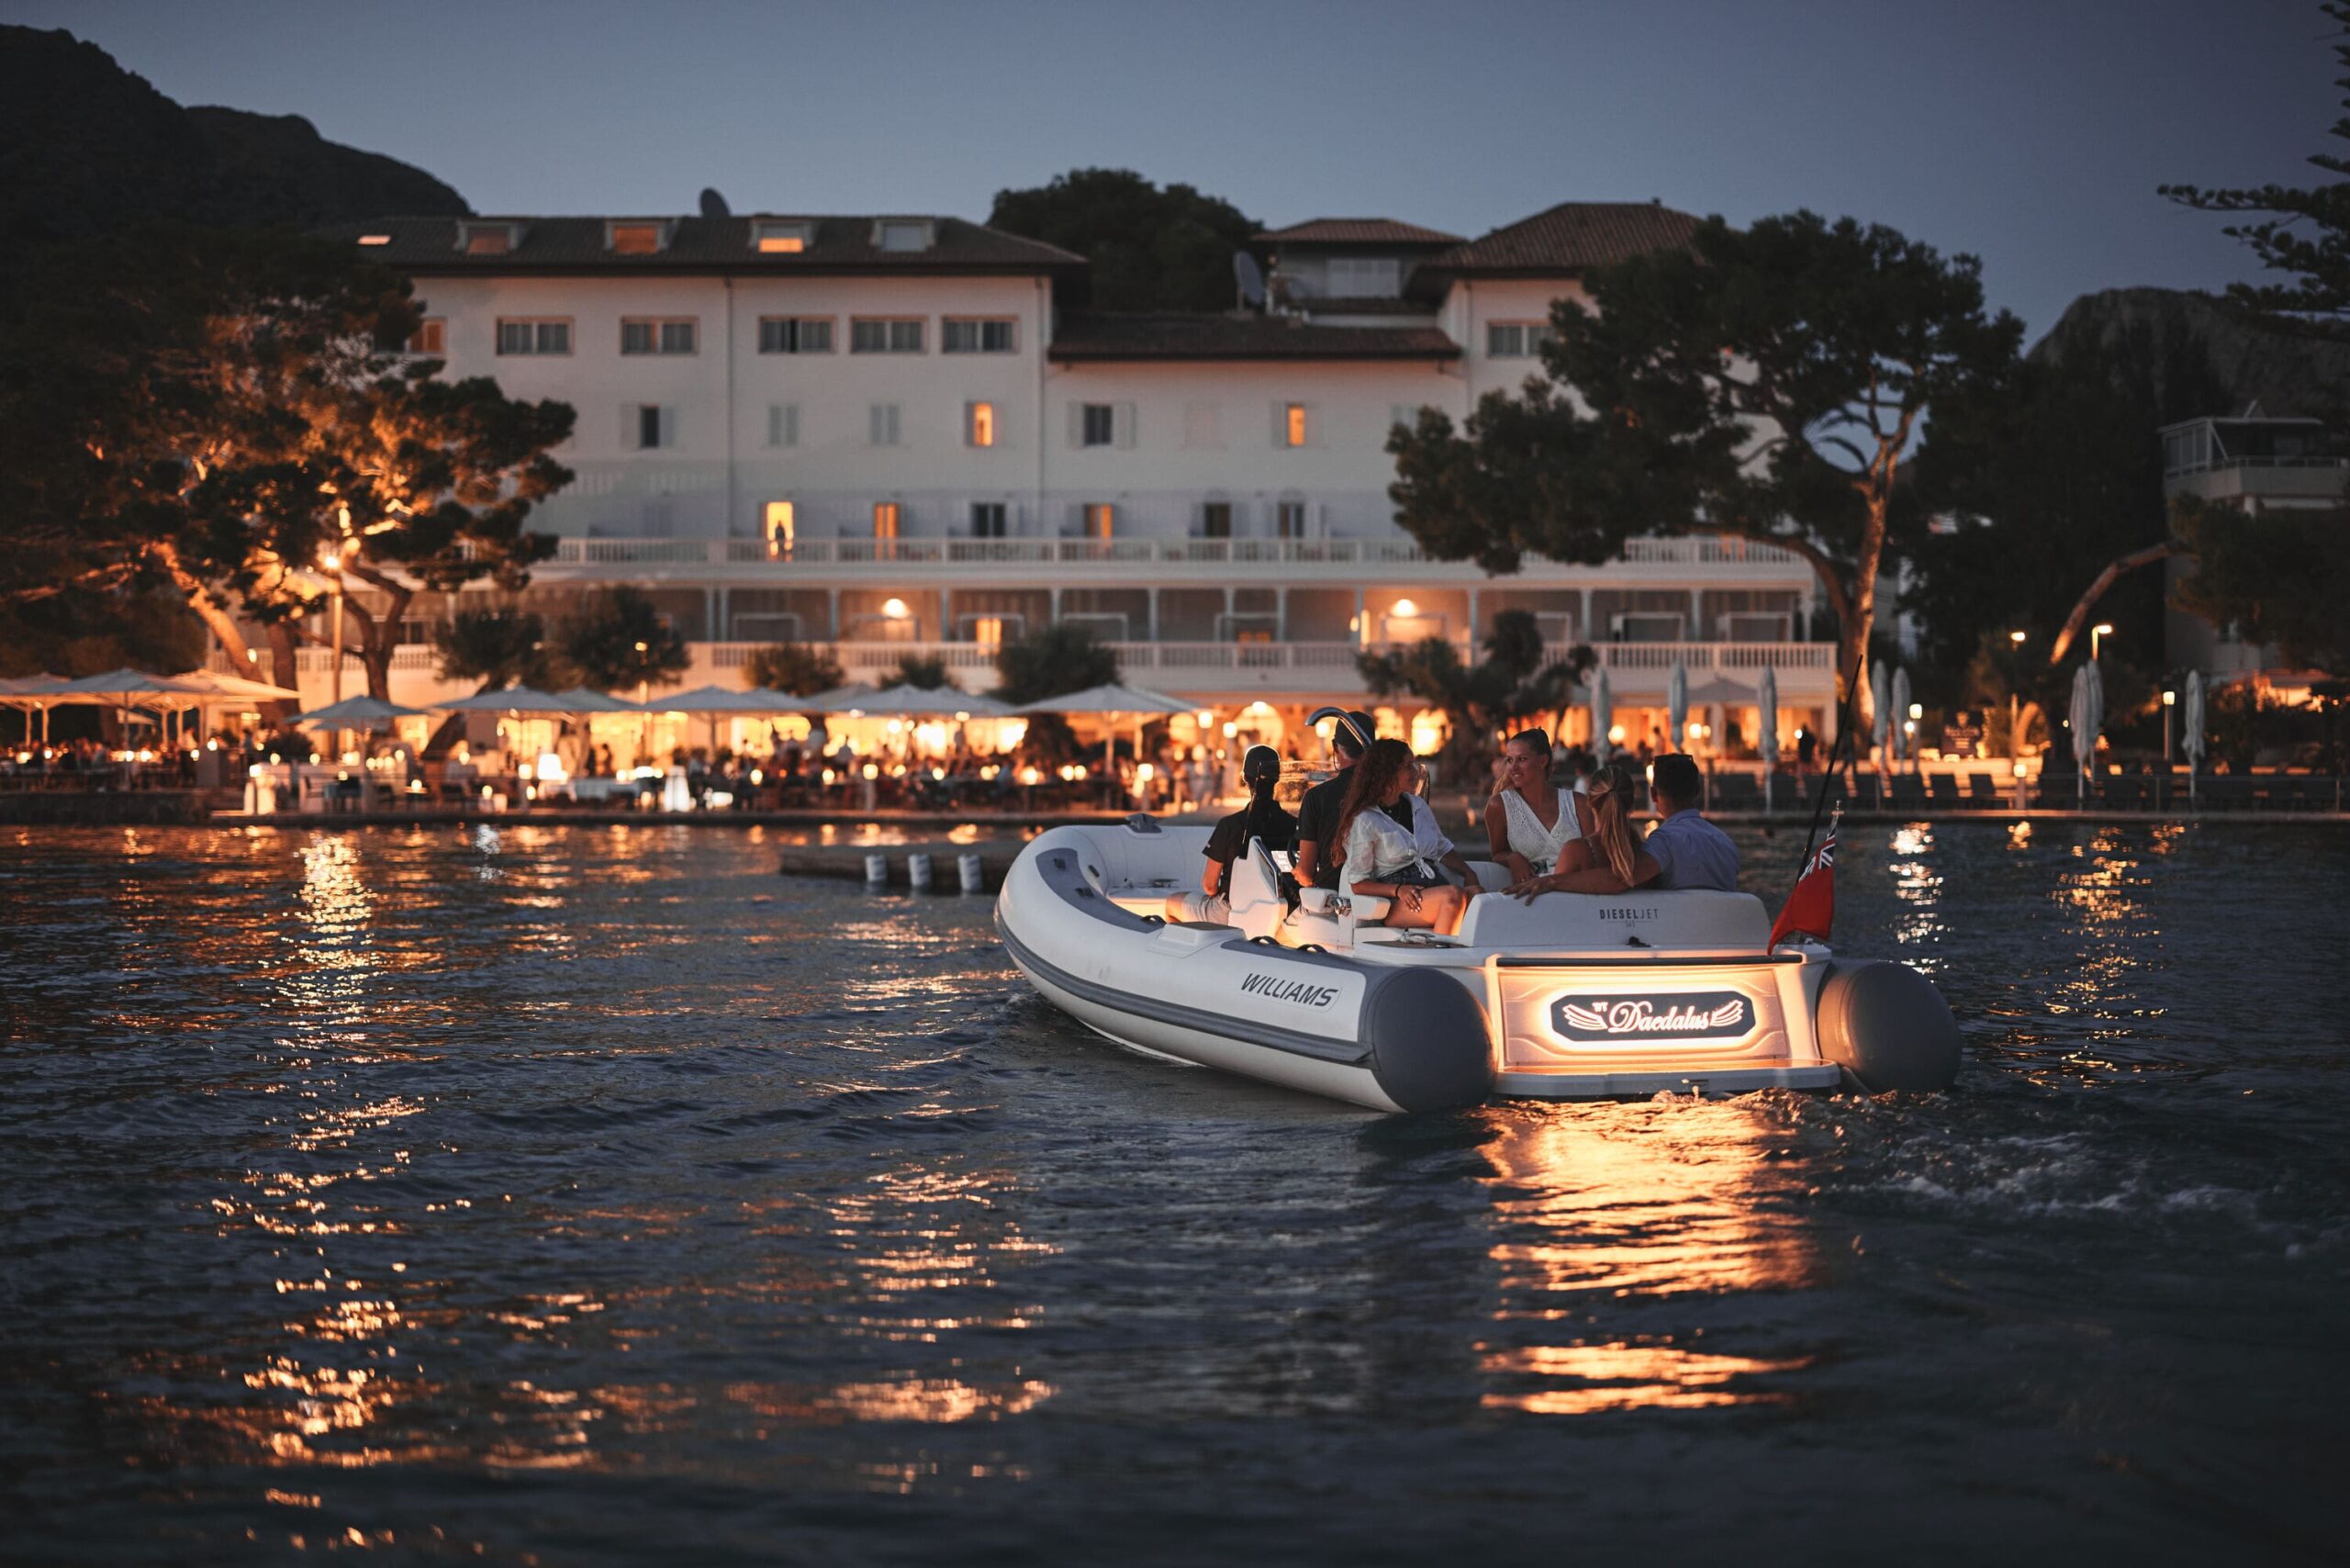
column 87, row 147
column 2286, row 376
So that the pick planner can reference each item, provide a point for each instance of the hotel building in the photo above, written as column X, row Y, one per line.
column 879, row 433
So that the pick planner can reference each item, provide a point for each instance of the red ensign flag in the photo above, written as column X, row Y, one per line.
column 1811, row 908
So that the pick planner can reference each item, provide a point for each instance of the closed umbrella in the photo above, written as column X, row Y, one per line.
column 2192, row 742
column 1603, row 714
column 1905, row 739
column 1676, row 706
column 2087, row 716
column 1766, row 728
column 1880, row 708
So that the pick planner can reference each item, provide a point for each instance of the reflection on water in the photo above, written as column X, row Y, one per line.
column 1605, row 1211
column 600, row 1185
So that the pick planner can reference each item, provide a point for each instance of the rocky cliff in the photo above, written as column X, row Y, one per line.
column 2201, row 357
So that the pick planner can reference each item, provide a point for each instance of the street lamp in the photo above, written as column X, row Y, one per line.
column 2014, row 704
column 2170, row 700
column 2102, row 628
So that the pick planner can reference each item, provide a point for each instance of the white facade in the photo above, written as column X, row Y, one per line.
column 1219, row 512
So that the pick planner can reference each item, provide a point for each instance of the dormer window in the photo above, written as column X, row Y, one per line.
column 1366, row 277
column 902, row 234
column 488, row 239
column 773, row 238
column 634, row 238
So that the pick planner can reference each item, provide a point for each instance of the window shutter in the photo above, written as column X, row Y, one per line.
column 668, row 426
column 1076, row 529
column 1126, row 417
column 970, row 418
column 1077, row 424
column 1317, row 521
column 1019, row 519
column 1280, row 423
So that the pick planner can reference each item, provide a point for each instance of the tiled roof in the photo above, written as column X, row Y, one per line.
column 1083, row 336
column 1366, row 305
column 703, row 244
column 1570, row 238
column 1356, row 232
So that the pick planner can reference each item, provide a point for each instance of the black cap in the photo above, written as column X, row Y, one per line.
column 1262, row 764
column 1355, row 740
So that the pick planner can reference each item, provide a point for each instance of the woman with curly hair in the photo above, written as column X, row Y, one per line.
column 1380, row 858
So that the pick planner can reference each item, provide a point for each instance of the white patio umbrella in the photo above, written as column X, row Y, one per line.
column 902, row 702
column 1603, row 714
column 583, row 701
column 2192, row 742
column 1113, row 702
column 1677, row 707
column 362, row 712
column 30, row 692
column 1905, row 739
column 1766, row 728
column 127, row 688
column 839, row 700
column 231, row 688
column 514, row 701
column 2088, row 718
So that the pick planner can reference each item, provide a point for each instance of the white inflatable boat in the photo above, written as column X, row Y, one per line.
column 1568, row 996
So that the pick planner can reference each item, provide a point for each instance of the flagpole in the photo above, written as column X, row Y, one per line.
column 1843, row 702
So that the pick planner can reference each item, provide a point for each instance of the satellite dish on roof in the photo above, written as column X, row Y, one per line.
column 713, row 205
column 1251, row 279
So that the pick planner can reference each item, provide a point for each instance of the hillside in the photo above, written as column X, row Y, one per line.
column 2201, row 357
column 87, row 147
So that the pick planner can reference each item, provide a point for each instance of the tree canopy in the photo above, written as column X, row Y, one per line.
column 229, row 412
column 799, row 669
column 1150, row 249
column 495, row 646
column 1510, row 684
column 1765, row 383
column 617, row 639
column 1052, row 662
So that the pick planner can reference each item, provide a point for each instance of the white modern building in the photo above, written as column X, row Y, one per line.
column 879, row 433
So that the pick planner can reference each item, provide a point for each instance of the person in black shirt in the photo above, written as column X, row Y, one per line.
column 1263, row 818
column 1317, row 815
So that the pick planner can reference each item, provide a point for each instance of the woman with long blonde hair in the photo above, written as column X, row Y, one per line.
column 1607, row 859
column 1379, row 856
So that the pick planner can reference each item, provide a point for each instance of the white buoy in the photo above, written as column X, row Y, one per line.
column 973, row 871
column 877, row 870
column 918, row 872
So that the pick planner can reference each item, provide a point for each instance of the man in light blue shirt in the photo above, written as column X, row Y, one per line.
column 1690, row 852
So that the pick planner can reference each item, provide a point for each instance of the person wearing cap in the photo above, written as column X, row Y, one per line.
column 1317, row 815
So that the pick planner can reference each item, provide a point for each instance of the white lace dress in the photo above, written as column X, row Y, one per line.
column 1528, row 836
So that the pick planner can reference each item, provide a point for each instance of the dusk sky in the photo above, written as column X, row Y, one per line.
column 2031, row 134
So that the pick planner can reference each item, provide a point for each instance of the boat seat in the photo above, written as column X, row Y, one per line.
column 1699, row 919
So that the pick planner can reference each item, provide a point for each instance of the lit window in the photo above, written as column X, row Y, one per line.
column 375, row 238
column 795, row 334
column 528, row 335
column 432, row 337
column 1100, row 520
column 779, row 530
column 885, row 525
column 868, row 334
column 1097, row 424
column 1293, row 424
column 635, row 239
column 987, row 631
column 980, row 423
column 644, row 335
column 990, row 335
column 779, row 239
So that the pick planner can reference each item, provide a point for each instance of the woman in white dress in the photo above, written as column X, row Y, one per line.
column 1381, row 856
column 1529, row 820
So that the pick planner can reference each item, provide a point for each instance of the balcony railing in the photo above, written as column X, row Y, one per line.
column 1140, row 660
column 1018, row 553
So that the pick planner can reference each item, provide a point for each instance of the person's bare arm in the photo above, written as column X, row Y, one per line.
column 1601, row 877
column 1210, row 875
column 1497, row 835
column 1309, row 861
